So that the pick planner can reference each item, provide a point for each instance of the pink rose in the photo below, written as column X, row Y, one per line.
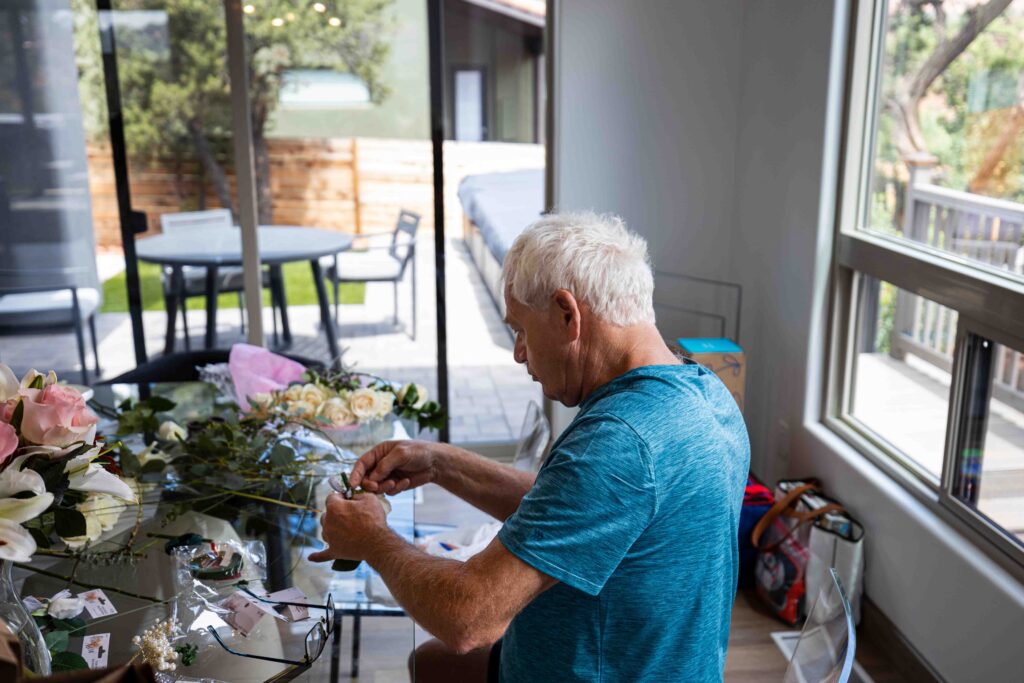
column 8, row 441
column 56, row 416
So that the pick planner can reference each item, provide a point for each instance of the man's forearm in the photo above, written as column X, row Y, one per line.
column 435, row 592
column 487, row 485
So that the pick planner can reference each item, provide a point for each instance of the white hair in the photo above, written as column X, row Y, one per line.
column 595, row 257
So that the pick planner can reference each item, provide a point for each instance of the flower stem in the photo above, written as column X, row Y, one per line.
column 270, row 500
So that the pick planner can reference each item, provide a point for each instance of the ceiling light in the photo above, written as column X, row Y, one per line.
column 290, row 16
column 319, row 7
column 277, row 21
column 249, row 9
column 334, row 21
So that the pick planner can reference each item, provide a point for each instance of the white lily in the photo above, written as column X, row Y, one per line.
column 15, row 480
column 8, row 383
column 65, row 608
column 31, row 375
column 85, row 475
column 16, row 543
column 24, row 509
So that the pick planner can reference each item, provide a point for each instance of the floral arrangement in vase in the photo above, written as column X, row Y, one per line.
column 271, row 386
column 57, row 481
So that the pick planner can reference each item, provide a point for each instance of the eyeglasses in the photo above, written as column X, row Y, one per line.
column 316, row 638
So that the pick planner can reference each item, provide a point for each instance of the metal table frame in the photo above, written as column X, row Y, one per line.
column 147, row 250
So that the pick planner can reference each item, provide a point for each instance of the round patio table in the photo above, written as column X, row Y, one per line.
column 213, row 249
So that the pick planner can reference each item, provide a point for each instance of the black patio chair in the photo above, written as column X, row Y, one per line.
column 380, row 262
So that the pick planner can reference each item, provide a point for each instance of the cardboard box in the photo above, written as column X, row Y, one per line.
column 723, row 357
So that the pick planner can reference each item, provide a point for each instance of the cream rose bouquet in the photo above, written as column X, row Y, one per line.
column 346, row 399
column 56, row 479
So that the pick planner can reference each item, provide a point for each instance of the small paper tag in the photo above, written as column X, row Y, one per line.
column 97, row 604
column 95, row 649
column 61, row 595
column 291, row 612
column 244, row 613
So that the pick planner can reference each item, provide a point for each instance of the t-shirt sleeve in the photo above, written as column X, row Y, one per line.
column 590, row 503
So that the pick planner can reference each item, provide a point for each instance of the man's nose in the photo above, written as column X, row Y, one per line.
column 519, row 352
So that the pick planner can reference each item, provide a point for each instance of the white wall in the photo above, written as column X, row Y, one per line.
column 646, row 121
column 763, row 218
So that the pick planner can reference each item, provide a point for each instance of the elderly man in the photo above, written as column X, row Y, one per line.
column 618, row 561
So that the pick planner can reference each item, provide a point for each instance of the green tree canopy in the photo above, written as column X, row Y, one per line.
column 174, row 77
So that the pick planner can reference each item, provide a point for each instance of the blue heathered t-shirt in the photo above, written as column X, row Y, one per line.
column 635, row 513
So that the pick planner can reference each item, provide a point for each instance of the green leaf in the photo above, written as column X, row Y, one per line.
column 411, row 396
column 18, row 415
column 154, row 465
column 37, row 382
column 41, row 539
column 75, row 626
column 68, row 661
column 56, row 641
column 69, row 523
column 282, row 455
column 130, row 464
column 159, row 404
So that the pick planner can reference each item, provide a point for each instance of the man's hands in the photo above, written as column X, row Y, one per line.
column 351, row 528
column 394, row 466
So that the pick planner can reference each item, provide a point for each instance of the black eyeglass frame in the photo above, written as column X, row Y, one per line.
column 325, row 625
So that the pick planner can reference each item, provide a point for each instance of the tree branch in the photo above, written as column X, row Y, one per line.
column 904, row 103
column 212, row 167
column 949, row 49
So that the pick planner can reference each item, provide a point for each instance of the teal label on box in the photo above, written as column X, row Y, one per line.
column 708, row 345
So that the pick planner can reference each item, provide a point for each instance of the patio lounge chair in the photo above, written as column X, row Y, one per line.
column 53, row 310
column 48, row 278
column 385, row 260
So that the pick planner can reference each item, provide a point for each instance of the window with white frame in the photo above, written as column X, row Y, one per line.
column 927, row 340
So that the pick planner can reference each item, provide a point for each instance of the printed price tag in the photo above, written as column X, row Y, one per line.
column 245, row 613
column 97, row 604
column 95, row 649
column 291, row 612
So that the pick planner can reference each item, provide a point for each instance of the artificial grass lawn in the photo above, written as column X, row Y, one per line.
column 298, row 287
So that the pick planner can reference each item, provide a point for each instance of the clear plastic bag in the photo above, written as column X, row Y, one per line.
column 200, row 596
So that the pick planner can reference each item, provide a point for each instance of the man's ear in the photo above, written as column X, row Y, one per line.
column 568, row 309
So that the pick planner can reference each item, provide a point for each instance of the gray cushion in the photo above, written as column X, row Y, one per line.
column 39, row 309
column 360, row 266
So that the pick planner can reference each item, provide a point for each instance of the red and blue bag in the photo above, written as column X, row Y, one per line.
column 782, row 554
column 757, row 500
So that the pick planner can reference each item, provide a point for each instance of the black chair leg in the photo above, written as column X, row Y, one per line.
column 337, row 289
column 414, row 296
column 80, row 339
column 184, row 324
column 394, row 291
column 76, row 312
column 241, row 311
column 95, row 350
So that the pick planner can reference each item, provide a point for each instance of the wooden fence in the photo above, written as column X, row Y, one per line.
column 355, row 185
column 978, row 228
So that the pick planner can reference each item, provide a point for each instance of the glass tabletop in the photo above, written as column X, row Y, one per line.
column 272, row 540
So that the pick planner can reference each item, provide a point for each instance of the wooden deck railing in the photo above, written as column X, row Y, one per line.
column 978, row 228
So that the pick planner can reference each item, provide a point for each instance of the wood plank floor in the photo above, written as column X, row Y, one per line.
column 754, row 657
